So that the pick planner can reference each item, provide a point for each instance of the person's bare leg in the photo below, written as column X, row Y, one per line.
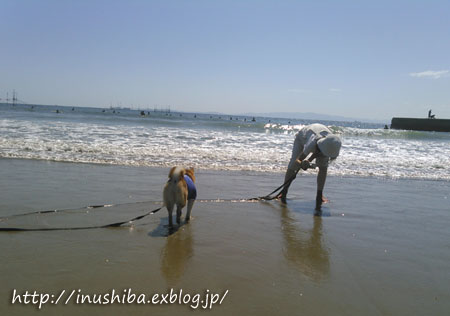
column 321, row 178
column 288, row 178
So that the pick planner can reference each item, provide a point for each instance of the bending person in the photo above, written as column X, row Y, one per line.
column 313, row 141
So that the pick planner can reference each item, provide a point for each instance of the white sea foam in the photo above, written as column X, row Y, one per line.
column 365, row 152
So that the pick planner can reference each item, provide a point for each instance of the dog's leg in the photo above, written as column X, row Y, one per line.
column 170, row 209
column 189, row 209
column 179, row 208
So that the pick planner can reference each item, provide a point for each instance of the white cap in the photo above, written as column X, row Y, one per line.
column 330, row 145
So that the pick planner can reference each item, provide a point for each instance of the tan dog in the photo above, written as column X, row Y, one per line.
column 180, row 190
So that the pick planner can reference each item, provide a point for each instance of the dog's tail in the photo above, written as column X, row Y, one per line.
column 176, row 174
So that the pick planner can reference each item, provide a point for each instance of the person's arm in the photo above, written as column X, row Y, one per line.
column 313, row 156
column 298, row 161
column 305, row 162
column 302, row 156
column 309, row 148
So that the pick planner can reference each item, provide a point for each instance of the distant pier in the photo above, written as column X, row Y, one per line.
column 421, row 124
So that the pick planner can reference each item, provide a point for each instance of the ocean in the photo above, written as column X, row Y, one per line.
column 211, row 141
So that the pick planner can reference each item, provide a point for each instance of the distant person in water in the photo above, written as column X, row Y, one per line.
column 317, row 142
column 429, row 115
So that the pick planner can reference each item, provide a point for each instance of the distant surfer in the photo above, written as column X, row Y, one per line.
column 313, row 141
column 430, row 116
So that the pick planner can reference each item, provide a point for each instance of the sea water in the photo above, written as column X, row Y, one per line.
column 211, row 141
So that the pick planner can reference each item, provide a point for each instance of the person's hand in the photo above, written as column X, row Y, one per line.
column 297, row 165
column 305, row 164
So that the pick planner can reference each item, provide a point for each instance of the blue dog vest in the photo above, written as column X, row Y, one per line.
column 192, row 191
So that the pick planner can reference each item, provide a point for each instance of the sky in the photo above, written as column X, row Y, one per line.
column 362, row 59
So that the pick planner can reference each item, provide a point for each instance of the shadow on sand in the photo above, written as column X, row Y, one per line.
column 304, row 248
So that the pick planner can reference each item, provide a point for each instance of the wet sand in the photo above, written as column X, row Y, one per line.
column 380, row 247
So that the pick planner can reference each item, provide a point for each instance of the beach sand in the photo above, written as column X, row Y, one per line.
column 381, row 246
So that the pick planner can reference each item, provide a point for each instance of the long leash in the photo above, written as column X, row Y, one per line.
column 267, row 197
column 118, row 224
column 67, row 210
column 55, row 211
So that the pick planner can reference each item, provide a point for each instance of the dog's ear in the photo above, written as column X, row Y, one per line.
column 190, row 173
column 182, row 173
column 171, row 172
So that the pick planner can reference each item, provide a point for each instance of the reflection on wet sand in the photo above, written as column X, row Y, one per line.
column 176, row 254
column 304, row 249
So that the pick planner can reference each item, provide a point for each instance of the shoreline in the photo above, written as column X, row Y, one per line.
column 243, row 171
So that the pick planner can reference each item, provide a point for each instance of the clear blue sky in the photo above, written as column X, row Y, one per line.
column 364, row 59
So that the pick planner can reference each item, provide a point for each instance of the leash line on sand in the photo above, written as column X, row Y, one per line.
column 118, row 224
column 54, row 211
column 70, row 209
column 267, row 197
